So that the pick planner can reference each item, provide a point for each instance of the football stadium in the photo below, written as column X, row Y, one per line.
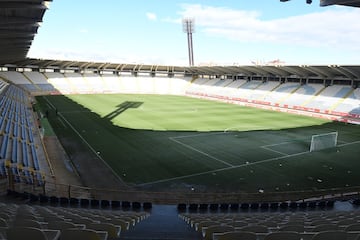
column 107, row 150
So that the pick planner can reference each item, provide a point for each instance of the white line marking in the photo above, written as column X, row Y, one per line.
column 350, row 143
column 90, row 147
column 272, row 150
column 62, row 122
column 201, row 152
column 238, row 166
column 224, row 169
column 198, row 135
column 49, row 103
column 276, row 144
column 75, row 111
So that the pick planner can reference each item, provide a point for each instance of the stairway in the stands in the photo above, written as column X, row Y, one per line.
column 163, row 223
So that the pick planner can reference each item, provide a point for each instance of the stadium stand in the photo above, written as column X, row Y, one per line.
column 336, row 100
column 329, row 97
column 19, row 147
column 21, row 157
column 59, row 82
column 23, row 221
column 275, row 225
column 78, row 83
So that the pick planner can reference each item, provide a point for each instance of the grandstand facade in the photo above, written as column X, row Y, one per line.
column 322, row 91
column 329, row 92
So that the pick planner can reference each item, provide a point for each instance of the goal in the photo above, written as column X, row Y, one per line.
column 323, row 141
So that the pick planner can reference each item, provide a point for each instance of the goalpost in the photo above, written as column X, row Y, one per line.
column 322, row 141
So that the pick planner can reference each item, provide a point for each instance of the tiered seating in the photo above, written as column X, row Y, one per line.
column 328, row 97
column 247, row 88
column 275, row 225
column 129, row 84
column 303, row 94
column 236, row 84
column 17, row 146
column 111, row 83
column 94, row 81
column 3, row 85
column 59, row 82
column 20, row 221
column 15, row 77
column 281, row 92
column 351, row 103
column 178, row 85
column 78, row 82
column 337, row 99
column 40, row 81
column 198, row 86
column 259, row 94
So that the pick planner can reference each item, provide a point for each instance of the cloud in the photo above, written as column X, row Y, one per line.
column 330, row 28
column 151, row 16
column 84, row 30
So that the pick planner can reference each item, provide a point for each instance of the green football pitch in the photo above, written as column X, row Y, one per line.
column 158, row 142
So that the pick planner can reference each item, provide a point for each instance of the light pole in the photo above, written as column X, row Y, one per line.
column 188, row 27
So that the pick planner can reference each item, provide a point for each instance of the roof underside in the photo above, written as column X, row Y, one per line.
column 349, row 72
column 19, row 22
column 351, row 3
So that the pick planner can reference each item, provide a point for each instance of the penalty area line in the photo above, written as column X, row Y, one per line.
column 272, row 150
column 222, row 169
column 201, row 152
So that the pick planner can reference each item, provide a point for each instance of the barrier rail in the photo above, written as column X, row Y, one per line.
column 174, row 197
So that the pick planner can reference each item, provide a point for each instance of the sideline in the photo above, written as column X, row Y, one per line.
column 83, row 139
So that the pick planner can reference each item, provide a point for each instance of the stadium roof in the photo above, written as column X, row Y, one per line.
column 351, row 72
column 351, row 3
column 19, row 22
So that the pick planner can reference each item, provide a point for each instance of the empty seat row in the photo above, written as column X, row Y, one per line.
column 18, row 220
column 255, row 206
column 289, row 225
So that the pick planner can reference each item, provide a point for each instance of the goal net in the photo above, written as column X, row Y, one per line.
column 323, row 141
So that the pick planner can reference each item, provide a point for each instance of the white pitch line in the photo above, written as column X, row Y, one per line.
column 74, row 111
column 350, row 143
column 233, row 167
column 49, row 103
column 62, row 122
column 276, row 144
column 197, row 135
column 223, row 169
column 52, row 106
column 90, row 147
column 201, row 152
column 272, row 150
column 185, row 176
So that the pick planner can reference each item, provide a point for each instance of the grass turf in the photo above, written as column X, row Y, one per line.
column 160, row 142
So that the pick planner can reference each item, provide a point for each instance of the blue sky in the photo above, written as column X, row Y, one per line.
column 227, row 32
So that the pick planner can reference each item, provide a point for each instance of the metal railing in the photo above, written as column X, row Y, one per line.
column 51, row 188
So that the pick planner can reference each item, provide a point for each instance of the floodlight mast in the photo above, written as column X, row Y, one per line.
column 188, row 28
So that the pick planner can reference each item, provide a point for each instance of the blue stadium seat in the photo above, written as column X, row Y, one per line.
column 25, row 160
column 14, row 151
column 4, row 146
column 35, row 158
